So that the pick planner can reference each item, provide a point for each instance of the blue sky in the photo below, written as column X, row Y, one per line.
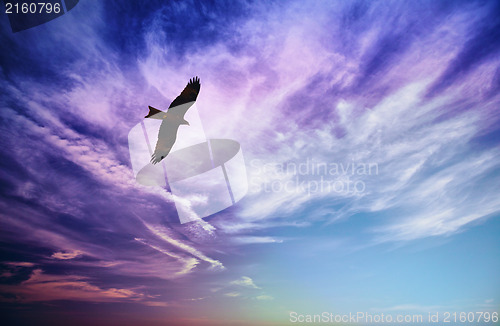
column 408, row 87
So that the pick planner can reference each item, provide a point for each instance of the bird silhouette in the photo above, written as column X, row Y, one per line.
column 172, row 119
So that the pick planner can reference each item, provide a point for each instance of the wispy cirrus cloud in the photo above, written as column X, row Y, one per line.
column 245, row 281
column 19, row 264
column 364, row 96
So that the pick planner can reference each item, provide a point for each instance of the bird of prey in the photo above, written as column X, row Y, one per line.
column 172, row 119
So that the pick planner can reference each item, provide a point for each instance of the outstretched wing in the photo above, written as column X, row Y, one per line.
column 188, row 95
column 173, row 119
column 166, row 139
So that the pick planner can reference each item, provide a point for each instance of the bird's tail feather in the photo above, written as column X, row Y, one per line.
column 152, row 112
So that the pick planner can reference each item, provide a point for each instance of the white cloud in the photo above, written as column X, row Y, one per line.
column 189, row 262
column 163, row 234
column 255, row 239
column 67, row 255
column 424, row 163
column 245, row 281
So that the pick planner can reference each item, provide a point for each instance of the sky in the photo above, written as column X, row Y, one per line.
column 370, row 132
